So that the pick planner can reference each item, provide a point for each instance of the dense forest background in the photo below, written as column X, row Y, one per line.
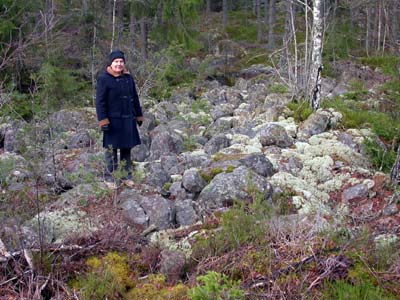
column 56, row 48
column 198, row 65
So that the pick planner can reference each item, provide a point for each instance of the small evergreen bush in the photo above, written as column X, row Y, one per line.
column 216, row 286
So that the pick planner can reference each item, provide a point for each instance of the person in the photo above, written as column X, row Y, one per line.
column 118, row 113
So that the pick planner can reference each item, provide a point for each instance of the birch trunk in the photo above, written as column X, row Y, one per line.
column 113, row 25
column 143, row 37
column 259, row 21
column 224, row 13
column 316, row 56
column 271, row 24
column 395, row 173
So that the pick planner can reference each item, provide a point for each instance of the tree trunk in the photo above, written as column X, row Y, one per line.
column 266, row 11
column 143, row 37
column 271, row 24
column 92, row 63
column 224, row 13
column 259, row 21
column 368, row 30
column 120, row 22
column 132, row 28
column 113, row 25
column 316, row 56
column 285, row 58
column 395, row 173
column 395, row 26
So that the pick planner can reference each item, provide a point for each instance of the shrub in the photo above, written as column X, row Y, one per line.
column 301, row 110
column 380, row 158
column 107, row 278
column 342, row 290
column 216, row 286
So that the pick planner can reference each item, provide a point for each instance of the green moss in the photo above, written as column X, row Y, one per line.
column 108, row 277
column 155, row 288
column 208, row 176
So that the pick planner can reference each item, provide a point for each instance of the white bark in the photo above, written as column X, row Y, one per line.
column 395, row 173
column 113, row 26
column 316, row 56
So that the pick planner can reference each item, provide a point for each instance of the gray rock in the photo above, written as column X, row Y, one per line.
column 80, row 139
column 156, row 175
column 172, row 264
column 315, row 124
column 172, row 165
column 195, row 159
column 140, row 152
column 256, row 70
column 221, row 125
column 73, row 120
column 259, row 163
column 165, row 142
column 274, row 134
column 192, row 181
column 358, row 191
column 223, row 110
column 224, row 188
column 9, row 140
column 160, row 211
column 185, row 212
column 216, row 143
column 132, row 210
column 391, row 209
column 177, row 192
column 56, row 226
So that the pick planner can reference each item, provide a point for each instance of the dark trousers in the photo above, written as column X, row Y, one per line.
column 111, row 158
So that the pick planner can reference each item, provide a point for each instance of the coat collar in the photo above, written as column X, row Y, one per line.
column 115, row 74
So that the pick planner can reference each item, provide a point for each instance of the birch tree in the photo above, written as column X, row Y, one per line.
column 316, row 56
column 224, row 13
column 395, row 173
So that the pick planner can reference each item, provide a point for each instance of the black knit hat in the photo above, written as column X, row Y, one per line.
column 116, row 54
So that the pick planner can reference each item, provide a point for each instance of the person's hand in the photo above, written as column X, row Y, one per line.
column 139, row 120
column 105, row 128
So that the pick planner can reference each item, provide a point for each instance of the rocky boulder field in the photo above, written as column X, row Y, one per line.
column 202, row 151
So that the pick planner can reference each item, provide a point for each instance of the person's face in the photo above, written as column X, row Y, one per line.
column 117, row 65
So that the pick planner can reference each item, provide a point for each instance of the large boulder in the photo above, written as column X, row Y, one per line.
column 274, row 134
column 225, row 188
column 165, row 142
column 147, row 210
column 192, row 181
column 259, row 163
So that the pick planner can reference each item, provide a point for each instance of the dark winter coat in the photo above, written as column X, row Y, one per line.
column 118, row 106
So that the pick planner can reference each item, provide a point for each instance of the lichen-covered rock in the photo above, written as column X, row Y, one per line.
column 185, row 212
column 165, row 142
column 259, row 163
column 161, row 211
column 192, row 181
column 133, row 211
column 223, row 110
column 81, row 139
column 358, row 191
column 172, row 264
column 228, row 187
column 58, row 225
column 274, row 134
column 172, row 164
column 216, row 143
column 156, row 175
column 309, row 199
column 222, row 125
